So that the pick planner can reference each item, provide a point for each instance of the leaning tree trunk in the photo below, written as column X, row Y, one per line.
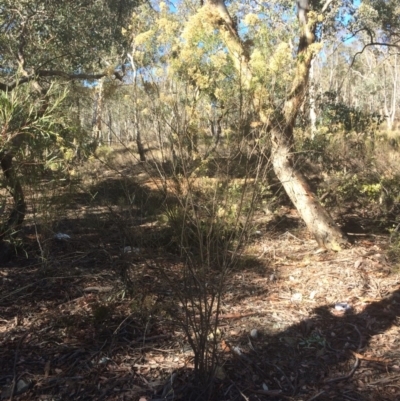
column 14, row 221
column 318, row 221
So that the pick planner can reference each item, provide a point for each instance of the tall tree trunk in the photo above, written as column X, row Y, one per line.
column 215, row 128
column 318, row 221
column 98, row 111
column 139, row 143
column 312, row 101
column 138, row 136
column 390, row 112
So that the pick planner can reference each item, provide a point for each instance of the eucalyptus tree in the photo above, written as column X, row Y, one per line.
column 280, row 118
column 256, row 58
column 374, row 23
column 41, row 42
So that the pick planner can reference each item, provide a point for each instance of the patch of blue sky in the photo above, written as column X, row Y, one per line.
column 172, row 5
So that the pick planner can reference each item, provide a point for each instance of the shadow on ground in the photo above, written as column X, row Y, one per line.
column 322, row 358
column 94, row 350
column 69, row 330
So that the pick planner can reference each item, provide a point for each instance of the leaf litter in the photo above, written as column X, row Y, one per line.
column 72, row 333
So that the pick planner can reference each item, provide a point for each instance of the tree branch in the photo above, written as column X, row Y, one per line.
column 326, row 5
column 232, row 39
column 20, row 53
column 372, row 44
column 56, row 73
column 304, row 58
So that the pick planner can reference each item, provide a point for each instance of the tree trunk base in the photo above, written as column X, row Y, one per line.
column 317, row 219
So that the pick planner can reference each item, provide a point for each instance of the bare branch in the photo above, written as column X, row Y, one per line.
column 303, row 8
column 372, row 44
column 326, row 5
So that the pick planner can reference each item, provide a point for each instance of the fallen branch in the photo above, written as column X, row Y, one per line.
column 345, row 377
column 15, row 378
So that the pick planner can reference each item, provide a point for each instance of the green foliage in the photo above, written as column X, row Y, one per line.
column 66, row 35
column 103, row 152
column 35, row 137
column 314, row 340
column 380, row 196
column 339, row 117
column 32, row 120
column 315, row 148
column 350, row 187
column 380, row 14
column 24, row 113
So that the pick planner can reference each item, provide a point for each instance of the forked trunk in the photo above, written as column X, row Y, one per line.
column 318, row 221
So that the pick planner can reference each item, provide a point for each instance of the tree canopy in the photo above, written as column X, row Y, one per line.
column 73, row 39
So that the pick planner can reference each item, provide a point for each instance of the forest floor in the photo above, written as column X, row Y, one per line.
column 296, row 323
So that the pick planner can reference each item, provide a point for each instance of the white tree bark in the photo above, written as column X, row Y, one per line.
column 312, row 101
column 391, row 98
